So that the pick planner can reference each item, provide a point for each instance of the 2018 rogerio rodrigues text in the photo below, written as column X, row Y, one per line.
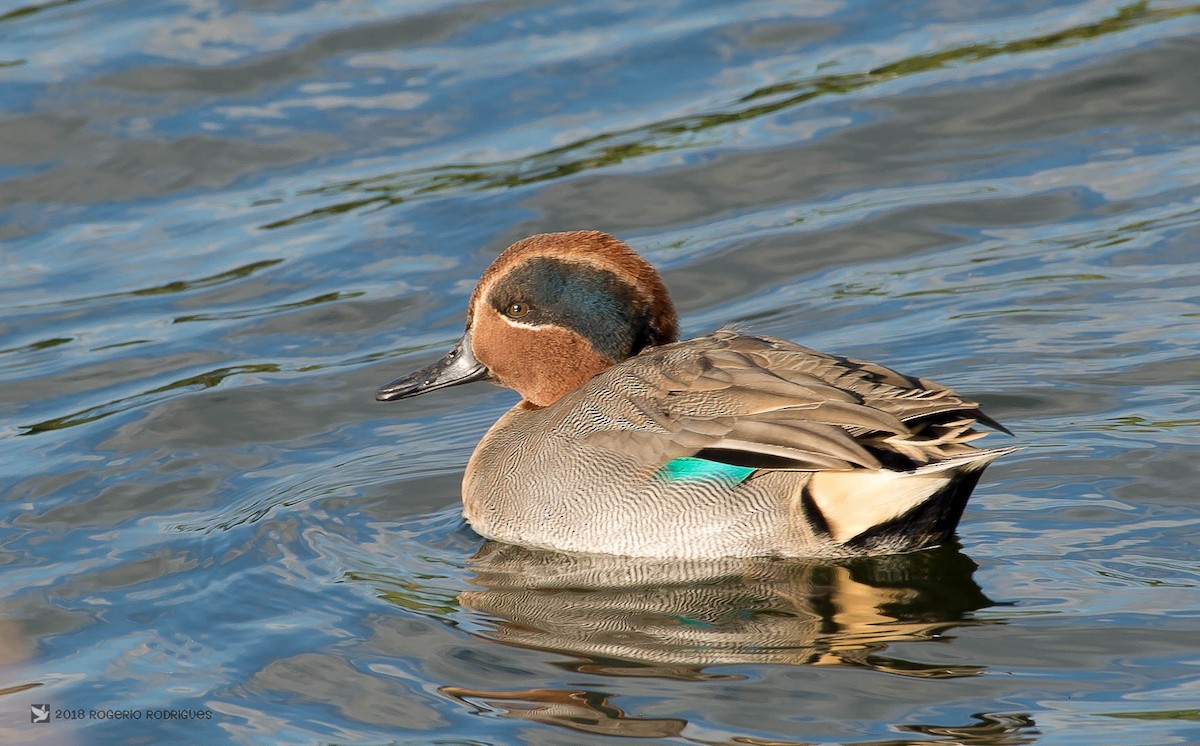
column 44, row 713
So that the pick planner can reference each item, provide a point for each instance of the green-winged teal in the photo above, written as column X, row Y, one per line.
column 629, row 442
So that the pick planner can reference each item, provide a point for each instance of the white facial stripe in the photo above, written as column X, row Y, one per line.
column 516, row 323
column 522, row 325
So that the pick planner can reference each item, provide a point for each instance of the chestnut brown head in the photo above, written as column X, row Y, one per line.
column 550, row 313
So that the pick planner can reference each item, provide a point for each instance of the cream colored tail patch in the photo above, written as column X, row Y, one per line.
column 854, row 501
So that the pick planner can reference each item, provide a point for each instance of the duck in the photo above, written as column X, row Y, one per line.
column 629, row 441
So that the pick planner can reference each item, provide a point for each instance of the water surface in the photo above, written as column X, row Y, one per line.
column 223, row 224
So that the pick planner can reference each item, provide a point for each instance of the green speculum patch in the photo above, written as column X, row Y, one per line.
column 690, row 469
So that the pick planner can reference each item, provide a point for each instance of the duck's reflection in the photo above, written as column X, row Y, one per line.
column 626, row 617
column 593, row 713
column 589, row 712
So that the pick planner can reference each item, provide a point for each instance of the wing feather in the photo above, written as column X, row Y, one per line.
column 770, row 401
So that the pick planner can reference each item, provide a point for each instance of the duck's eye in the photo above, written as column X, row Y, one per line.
column 516, row 310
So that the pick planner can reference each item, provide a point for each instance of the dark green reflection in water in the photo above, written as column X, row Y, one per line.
column 29, row 10
column 679, row 133
column 179, row 286
column 1187, row 715
column 175, row 286
column 1136, row 424
column 201, row 381
column 44, row 344
column 254, row 312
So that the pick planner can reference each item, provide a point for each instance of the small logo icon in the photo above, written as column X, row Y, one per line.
column 39, row 713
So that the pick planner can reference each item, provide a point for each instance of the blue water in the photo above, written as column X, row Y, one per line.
column 223, row 225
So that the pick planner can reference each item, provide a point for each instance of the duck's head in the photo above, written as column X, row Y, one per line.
column 550, row 313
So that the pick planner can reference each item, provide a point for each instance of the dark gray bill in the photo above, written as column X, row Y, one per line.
column 456, row 366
